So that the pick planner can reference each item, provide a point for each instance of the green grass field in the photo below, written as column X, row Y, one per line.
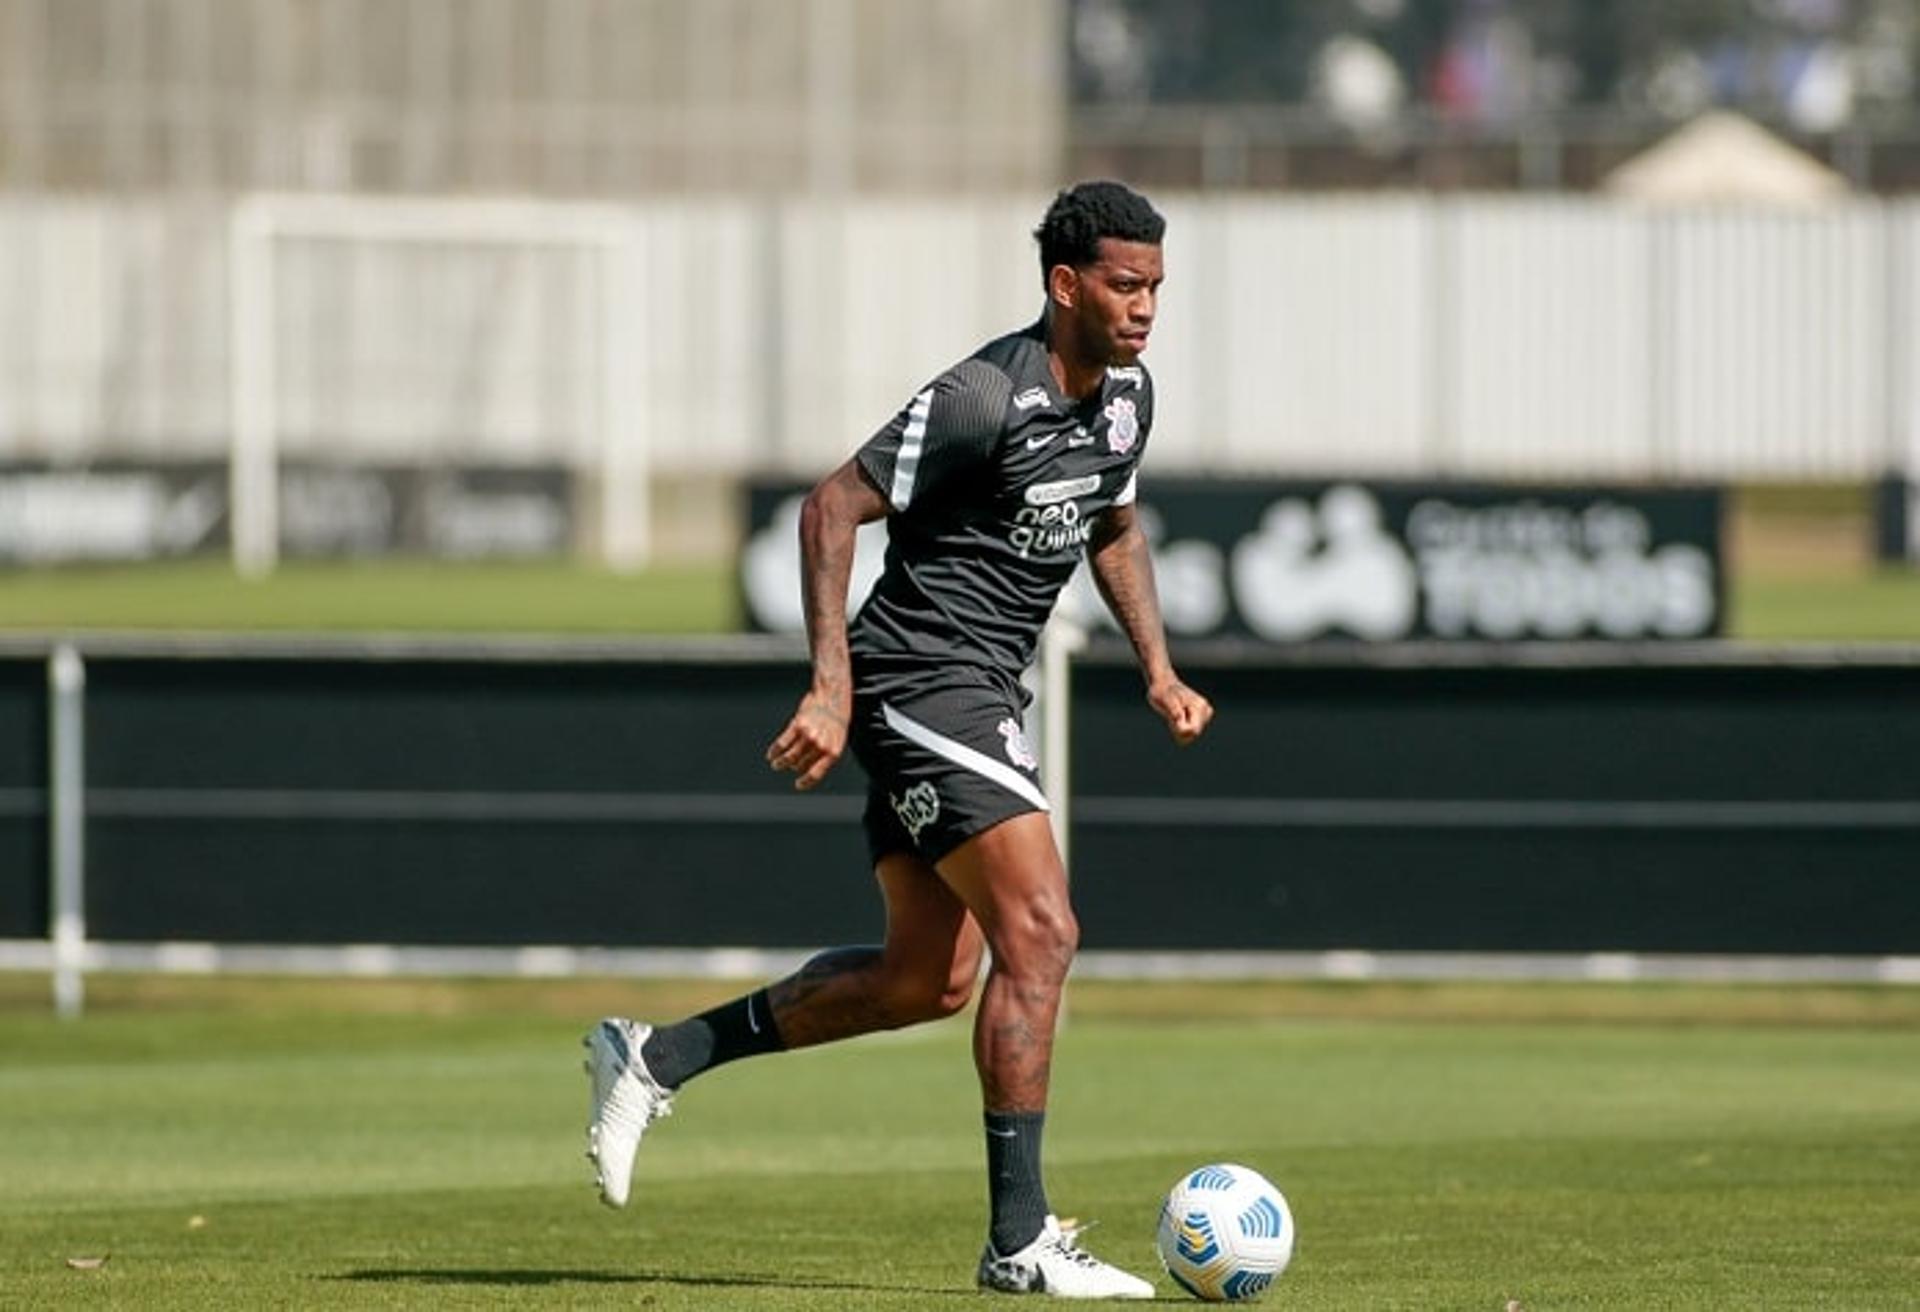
column 237, row 1144
column 1875, row 607
column 388, row 595
column 1830, row 604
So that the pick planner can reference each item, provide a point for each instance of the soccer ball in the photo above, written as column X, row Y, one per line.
column 1225, row 1232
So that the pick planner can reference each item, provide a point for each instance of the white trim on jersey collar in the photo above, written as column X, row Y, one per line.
column 964, row 756
column 907, row 463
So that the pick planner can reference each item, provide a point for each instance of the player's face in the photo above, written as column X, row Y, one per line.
column 1116, row 297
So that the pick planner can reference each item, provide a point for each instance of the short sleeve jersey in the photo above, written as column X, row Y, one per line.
column 994, row 480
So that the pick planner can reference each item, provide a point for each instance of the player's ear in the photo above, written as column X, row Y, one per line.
column 1063, row 285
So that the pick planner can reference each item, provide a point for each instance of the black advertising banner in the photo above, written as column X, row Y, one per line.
column 110, row 513
column 1286, row 561
column 445, row 512
column 157, row 512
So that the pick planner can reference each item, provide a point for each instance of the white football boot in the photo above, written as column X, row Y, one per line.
column 1054, row 1264
column 626, row 1100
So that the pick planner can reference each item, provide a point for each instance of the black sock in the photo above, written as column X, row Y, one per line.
column 1018, row 1199
column 732, row 1030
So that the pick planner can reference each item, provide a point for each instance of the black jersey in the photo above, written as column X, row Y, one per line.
column 995, row 481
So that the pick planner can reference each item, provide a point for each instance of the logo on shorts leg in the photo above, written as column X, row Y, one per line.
column 917, row 808
column 1018, row 750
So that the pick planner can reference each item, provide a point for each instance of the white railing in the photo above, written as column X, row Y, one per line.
column 1477, row 337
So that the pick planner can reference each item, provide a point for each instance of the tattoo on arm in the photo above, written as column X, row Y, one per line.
column 829, row 523
column 1123, row 569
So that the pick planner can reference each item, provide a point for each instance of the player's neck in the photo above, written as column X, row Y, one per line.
column 1076, row 373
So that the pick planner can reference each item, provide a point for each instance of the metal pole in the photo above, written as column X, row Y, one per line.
column 1902, row 227
column 776, row 433
column 67, row 809
column 253, row 459
column 1061, row 640
column 1662, row 422
column 626, row 458
column 1898, row 226
column 1443, row 354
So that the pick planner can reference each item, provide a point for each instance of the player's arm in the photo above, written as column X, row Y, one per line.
column 947, row 429
column 830, row 519
column 1122, row 567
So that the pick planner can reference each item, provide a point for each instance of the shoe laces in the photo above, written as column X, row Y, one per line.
column 660, row 1103
column 659, row 1108
column 1068, row 1244
column 651, row 1099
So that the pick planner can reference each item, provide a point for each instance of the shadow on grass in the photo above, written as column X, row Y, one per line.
column 693, row 1280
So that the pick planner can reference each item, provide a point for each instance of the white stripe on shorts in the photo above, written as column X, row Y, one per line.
column 907, row 462
column 962, row 755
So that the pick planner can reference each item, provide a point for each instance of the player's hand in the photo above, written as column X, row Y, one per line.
column 1186, row 712
column 813, row 738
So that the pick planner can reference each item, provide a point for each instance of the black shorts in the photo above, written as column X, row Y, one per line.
column 942, row 765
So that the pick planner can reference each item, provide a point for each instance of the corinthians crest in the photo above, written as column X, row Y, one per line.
column 1018, row 749
column 917, row 808
column 1123, row 426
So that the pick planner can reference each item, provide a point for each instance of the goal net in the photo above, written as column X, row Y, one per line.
column 432, row 336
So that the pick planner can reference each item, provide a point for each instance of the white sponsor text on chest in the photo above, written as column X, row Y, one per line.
column 1048, row 494
column 1051, row 521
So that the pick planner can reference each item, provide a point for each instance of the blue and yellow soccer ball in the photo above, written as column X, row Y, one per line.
column 1225, row 1233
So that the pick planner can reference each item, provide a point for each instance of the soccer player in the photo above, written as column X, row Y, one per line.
column 996, row 480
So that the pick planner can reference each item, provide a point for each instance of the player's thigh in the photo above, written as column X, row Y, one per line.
column 1011, row 878
column 929, row 928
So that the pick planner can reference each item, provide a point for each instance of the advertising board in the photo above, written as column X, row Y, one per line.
column 1286, row 562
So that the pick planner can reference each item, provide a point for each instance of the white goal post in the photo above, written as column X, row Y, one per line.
column 616, row 454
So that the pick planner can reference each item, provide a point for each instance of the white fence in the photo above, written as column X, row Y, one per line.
column 1478, row 337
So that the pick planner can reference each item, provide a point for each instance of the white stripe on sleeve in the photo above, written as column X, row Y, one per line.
column 962, row 755
column 907, row 462
column 1128, row 492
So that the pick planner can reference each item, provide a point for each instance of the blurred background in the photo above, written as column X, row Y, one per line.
column 596, row 97
column 520, row 278
column 1479, row 93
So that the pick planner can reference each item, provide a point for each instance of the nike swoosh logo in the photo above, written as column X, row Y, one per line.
column 1003, row 1134
column 1035, row 443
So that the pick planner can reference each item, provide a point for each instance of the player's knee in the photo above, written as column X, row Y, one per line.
column 958, row 992
column 946, row 1002
column 913, row 996
column 1039, row 942
column 1067, row 938
column 912, row 1006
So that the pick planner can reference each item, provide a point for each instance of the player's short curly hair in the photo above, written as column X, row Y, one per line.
column 1081, row 215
